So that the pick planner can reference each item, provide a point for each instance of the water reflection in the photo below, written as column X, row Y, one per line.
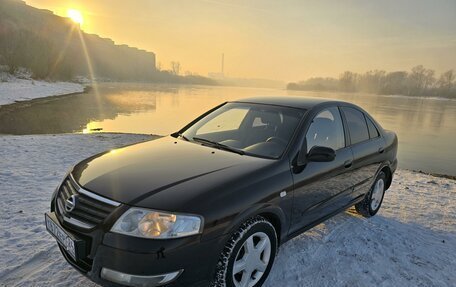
column 426, row 127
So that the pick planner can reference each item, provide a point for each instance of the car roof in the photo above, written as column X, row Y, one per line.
column 299, row 102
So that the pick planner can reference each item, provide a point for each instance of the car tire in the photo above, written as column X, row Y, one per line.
column 373, row 200
column 245, row 244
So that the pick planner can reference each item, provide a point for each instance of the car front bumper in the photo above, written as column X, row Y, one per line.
column 113, row 259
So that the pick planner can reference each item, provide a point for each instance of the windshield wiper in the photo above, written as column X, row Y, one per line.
column 182, row 136
column 219, row 145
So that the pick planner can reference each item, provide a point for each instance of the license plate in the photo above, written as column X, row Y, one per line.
column 65, row 240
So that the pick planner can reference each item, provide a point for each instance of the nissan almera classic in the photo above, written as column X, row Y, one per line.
column 209, row 205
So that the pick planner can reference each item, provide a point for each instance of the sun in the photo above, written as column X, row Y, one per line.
column 75, row 16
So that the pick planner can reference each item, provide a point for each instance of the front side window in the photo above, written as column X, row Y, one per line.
column 255, row 129
column 356, row 125
column 326, row 130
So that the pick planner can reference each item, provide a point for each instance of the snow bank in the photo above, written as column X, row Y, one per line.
column 411, row 242
column 15, row 89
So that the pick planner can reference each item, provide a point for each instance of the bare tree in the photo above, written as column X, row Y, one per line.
column 175, row 68
column 347, row 81
column 429, row 79
column 395, row 83
column 446, row 80
column 421, row 78
column 372, row 81
column 416, row 77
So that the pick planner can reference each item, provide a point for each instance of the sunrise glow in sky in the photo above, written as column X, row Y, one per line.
column 288, row 40
column 76, row 16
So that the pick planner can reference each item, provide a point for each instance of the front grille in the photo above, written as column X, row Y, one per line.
column 89, row 209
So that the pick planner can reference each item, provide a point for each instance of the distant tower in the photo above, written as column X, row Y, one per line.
column 223, row 63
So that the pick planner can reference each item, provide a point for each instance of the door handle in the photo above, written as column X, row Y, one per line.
column 381, row 150
column 348, row 163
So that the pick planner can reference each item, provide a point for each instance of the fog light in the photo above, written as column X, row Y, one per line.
column 138, row 280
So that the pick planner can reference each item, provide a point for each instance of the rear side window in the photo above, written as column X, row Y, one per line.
column 373, row 132
column 356, row 125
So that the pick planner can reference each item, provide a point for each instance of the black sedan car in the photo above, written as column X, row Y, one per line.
column 210, row 204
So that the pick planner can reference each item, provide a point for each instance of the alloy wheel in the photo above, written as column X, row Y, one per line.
column 252, row 260
column 377, row 194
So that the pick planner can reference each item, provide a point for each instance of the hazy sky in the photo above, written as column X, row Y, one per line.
column 286, row 39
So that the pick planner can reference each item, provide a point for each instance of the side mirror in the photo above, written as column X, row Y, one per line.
column 321, row 154
column 316, row 154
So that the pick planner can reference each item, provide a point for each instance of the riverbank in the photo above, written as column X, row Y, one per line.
column 410, row 242
column 16, row 90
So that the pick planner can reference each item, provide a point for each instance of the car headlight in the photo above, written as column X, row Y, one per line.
column 146, row 223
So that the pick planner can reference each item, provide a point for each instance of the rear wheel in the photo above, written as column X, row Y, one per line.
column 374, row 198
column 248, row 255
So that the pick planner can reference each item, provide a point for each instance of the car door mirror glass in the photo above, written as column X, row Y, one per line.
column 321, row 154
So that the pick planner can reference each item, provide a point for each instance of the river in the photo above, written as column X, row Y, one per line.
column 426, row 127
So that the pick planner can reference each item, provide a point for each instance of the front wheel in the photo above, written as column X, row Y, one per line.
column 374, row 198
column 248, row 255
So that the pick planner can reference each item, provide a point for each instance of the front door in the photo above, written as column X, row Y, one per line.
column 320, row 186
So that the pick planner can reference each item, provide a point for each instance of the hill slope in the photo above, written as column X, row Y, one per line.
column 54, row 47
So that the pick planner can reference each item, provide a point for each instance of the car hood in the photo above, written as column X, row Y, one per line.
column 134, row 173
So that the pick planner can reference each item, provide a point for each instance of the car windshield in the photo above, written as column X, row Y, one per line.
column 245, row 128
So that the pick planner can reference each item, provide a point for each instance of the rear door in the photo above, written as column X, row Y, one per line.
column 319, row 188
column 367, row 146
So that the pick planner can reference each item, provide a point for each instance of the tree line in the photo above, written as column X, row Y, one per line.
column 420, row 81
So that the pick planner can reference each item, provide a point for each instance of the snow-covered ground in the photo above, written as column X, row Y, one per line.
column 410, row 242
column 14, row 89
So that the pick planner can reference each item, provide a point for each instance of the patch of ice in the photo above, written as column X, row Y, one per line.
column 15, row 89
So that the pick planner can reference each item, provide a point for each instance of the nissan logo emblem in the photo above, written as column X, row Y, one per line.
column 70, row 203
